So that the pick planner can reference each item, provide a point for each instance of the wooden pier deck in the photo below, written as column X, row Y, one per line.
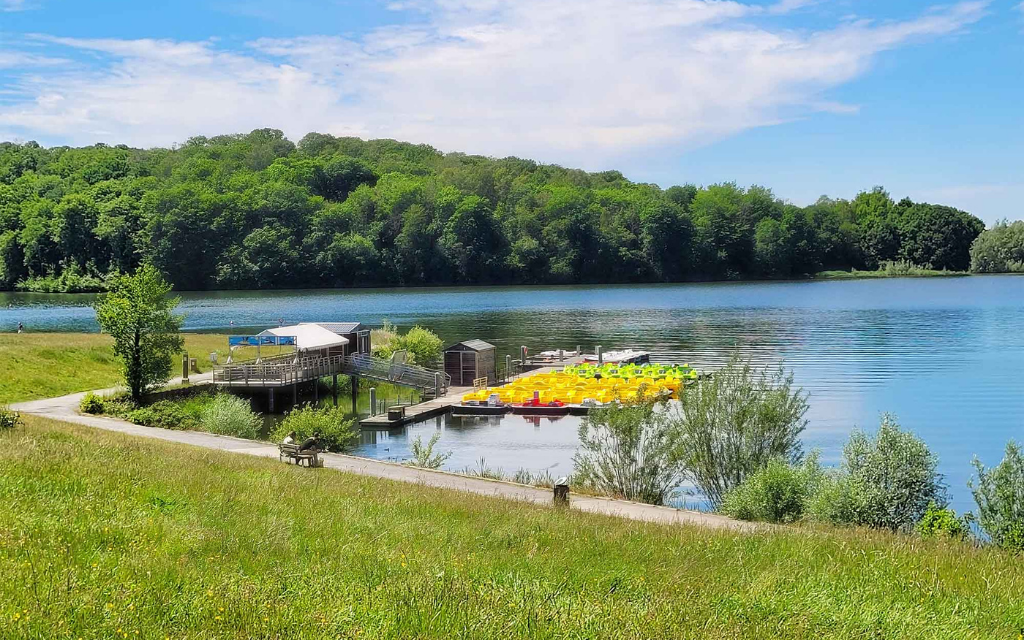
column 418, row 412
column 439, row 406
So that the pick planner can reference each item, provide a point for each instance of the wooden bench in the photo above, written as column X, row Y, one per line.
column 291, row 452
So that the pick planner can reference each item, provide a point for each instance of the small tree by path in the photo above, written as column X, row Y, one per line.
column 628, row 450
column 137, row 313
column 732, row 424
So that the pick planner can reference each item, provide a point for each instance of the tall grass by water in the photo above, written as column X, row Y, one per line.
column 104, row 535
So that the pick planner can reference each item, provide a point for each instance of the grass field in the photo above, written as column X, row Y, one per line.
column 103, row 536
column 44, row 365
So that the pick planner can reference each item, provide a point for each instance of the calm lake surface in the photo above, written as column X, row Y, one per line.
column 946, row 355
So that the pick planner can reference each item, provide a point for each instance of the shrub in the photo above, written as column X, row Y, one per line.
column 629, row 451
column 732, row 424
column 92, row 403
column 9, row 419
column 166, row 414
column 337, row 430
column 999, row 494
column 778, row 493
column 886, row 481
column 942, row 522
column 231, row 416
column 422, row 346
column 423, row 454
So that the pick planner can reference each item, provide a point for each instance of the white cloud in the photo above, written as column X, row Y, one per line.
column 578, row 81
column 13, row 5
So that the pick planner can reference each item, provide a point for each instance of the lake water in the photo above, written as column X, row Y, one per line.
column 946, row 355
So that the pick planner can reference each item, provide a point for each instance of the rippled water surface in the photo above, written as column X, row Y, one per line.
column 945, row 355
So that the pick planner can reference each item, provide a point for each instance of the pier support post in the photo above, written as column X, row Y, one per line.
column 600, row 356
column 270, row 402
column 354, row 391
column 295, row 394
column 373, row 401
column 316, row 390
column 334, row 389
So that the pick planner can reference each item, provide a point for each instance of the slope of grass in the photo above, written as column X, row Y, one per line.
column 103, row 535
column 44, row 365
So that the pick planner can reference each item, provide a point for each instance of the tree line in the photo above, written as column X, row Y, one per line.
column 258, row 211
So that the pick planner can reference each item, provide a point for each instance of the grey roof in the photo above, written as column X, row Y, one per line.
column 339, row 327
column 475, row 345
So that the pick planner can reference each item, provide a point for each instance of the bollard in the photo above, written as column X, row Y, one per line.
column 373, row 401
column 508, row 367
column 522, row 354
column 562, row 492
column 184, row 368
column 600, row 356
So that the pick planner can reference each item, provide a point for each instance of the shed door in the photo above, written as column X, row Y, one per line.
column 453, row 366
column 468, row 367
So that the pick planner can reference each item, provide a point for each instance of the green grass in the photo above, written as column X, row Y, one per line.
column 104, row 535
column 45, row 365
column 891, row 269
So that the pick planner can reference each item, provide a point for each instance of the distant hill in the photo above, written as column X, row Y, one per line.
column 258, row 211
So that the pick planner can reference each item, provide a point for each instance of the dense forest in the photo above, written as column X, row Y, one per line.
column 258, row 211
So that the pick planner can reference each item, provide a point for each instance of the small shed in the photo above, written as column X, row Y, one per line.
column 469, row 360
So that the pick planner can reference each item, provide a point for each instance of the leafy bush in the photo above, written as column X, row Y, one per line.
column 628, row 451
column 337, row 430
column 422, row 346
column 778, row 493
column 167, row 414
column 230, row 416
column 942, row 522
column 999, row 494
column 91, row 403
column 9, row 419
column 423, row 454
column 886, row 481
column 733, row 423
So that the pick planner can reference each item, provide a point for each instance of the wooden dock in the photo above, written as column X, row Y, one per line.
column 418, row 412
column 442, row 405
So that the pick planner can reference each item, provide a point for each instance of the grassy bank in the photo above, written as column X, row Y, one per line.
column 110, row 536
column 893, row 269
column 44, row 365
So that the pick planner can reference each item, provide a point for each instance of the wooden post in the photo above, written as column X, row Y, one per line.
column 335, row 389
column 270, row 404
column 373, row 401
column 295, row 393
column 562, row 492
column 355, row 392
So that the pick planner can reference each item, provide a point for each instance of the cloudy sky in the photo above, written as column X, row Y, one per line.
column 808, row 97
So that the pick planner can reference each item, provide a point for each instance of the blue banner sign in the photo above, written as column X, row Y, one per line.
column 253, row 341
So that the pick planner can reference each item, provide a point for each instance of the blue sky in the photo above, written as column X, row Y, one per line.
column 807, row 97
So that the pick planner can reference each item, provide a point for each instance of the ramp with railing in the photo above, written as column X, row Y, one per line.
column 284, row 371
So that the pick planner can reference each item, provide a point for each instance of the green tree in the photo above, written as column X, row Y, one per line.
column 938, row 237
column 137, row 313
column 999, row 249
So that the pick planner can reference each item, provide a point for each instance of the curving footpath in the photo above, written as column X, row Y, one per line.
column 65, row 409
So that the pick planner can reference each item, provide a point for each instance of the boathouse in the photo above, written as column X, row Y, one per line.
column 471, row 360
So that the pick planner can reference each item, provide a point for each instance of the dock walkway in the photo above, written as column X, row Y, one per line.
column 439, row 406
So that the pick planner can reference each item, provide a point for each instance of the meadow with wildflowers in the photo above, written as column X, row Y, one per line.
column 104, row 535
